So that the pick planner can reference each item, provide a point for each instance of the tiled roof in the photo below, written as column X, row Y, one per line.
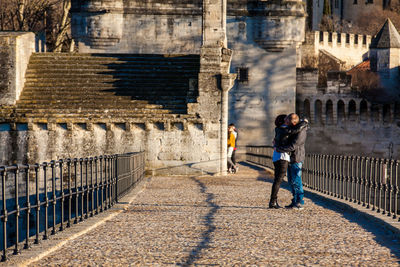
column 363, row 66
column 387, row 37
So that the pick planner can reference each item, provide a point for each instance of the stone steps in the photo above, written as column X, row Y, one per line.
column 109, row 94
column 110, row 75
column 72, row 85
column 46, row 99
column 94, row 110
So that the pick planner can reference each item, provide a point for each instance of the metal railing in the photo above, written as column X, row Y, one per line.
column 49, row 197
column 373, row 183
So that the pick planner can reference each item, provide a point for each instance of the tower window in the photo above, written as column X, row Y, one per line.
column 242, row 74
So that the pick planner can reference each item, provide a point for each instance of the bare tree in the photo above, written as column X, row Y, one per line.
column 370, row 22
column 49, row 16
column 367, row 83
column 63, row 27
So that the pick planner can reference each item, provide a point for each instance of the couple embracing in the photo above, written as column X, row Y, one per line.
column 288, row 157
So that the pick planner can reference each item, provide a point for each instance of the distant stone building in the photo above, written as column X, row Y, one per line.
column 357, row 111
column 346, row 10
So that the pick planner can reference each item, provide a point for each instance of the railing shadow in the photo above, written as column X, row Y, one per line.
column 374, row 227
column 192, row 166
column 208, row 221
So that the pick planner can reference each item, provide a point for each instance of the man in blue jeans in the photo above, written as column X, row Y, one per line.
column 297, row 156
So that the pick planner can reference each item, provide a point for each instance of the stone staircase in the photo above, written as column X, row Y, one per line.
column 70, row 85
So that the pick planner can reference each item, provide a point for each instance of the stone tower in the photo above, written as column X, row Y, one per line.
column 385, row 57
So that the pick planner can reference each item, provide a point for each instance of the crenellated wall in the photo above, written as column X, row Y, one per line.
column 342, row 121
column 351, row 48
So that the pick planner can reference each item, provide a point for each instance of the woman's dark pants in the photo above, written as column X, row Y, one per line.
column 280, row 171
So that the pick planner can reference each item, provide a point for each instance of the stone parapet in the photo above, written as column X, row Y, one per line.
column 15, row 50
column 351, row 48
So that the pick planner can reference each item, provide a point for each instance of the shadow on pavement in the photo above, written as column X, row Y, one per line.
column 375, row 226
column 208, row 221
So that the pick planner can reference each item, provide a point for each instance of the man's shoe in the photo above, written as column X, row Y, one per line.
column 290, row 206
column 274, row 205
column 299, row 206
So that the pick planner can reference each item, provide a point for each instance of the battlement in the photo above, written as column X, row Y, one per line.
column 334, row 39
column 351, row 48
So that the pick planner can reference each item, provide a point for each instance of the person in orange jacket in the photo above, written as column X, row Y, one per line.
column 231, row 146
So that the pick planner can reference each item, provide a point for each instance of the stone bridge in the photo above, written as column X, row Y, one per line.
column 219, row 220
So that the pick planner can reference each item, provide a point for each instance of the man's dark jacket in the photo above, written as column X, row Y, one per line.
column 296, row 147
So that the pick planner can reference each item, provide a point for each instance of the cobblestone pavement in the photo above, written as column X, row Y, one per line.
column 225, row 221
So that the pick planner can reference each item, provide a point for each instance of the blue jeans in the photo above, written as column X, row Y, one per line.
column 296, row 185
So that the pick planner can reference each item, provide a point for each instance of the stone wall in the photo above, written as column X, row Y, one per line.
column 351, row 48
column 15, row 50
column 343, row 122
column 264, row 35
column 175, row 143
column 271, row 70
column 176, row 147
column 152, row 27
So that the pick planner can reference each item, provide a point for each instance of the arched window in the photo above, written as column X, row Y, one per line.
column 329, row 112
column 318, row 111
column 341, row 113
column 386, row 113
column 352, row 110
column 375, row 112
column 363, row 110
column 306, row 109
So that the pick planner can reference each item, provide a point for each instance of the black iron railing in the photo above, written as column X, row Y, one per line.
column 43, row 199
column 371, row 182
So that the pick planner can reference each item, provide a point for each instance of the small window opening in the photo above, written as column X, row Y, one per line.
column 243, row 74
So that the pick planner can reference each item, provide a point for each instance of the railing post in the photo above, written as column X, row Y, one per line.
column 370, row 160
column 357, row 180
column 38, row 204
column 375, row 182
column 69, row 193
column 86, row 190
column 17, row 208
column 76, row 191
column 396, row 188
column 4, row 214
column 53, row 184
column 91, row 187
column 46, row 201
column 102, row 184
column 116, row 177
column 96, row 184
column 62, row 195
column 385, row 185
column 28, row 207
column 363, row 188
column 390, row 193
column 82, row 189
